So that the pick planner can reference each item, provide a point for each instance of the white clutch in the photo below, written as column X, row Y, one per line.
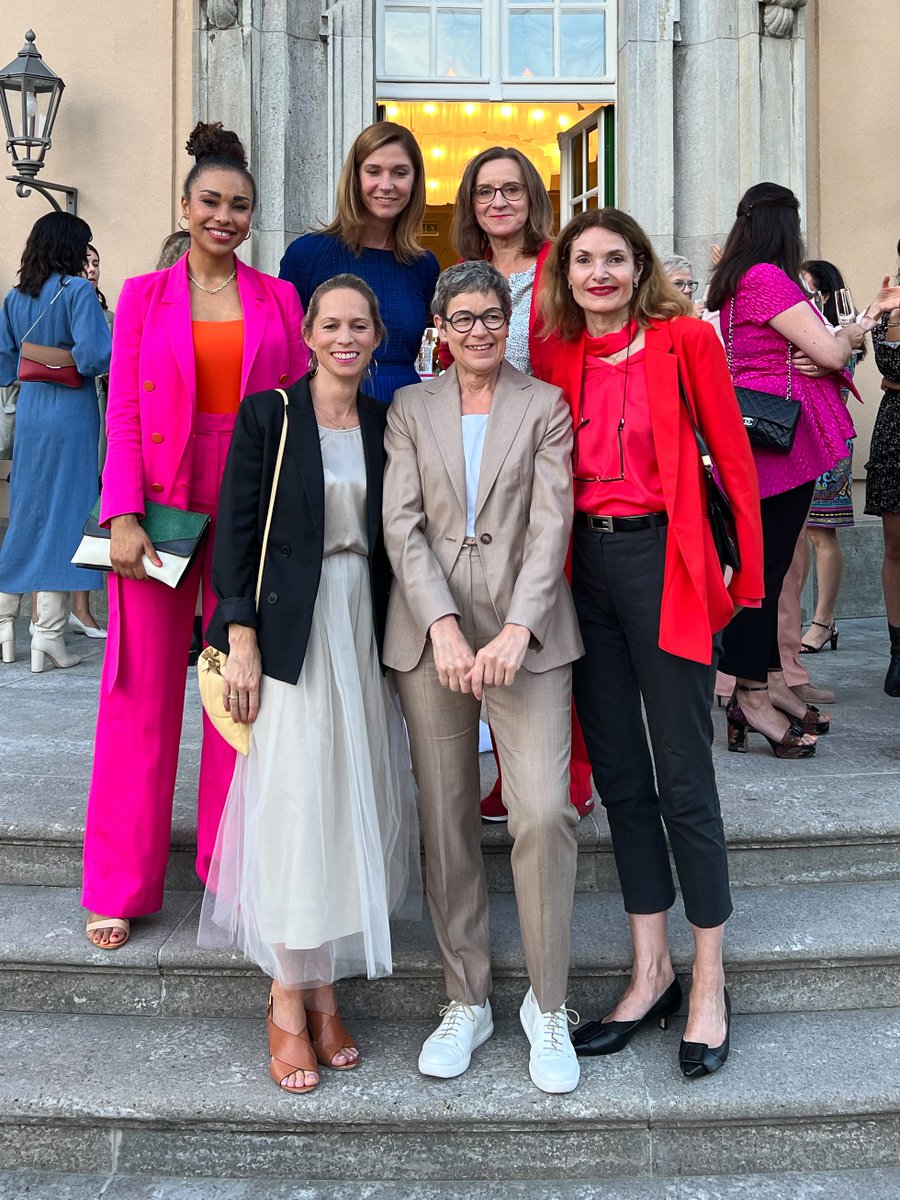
column 175, row 533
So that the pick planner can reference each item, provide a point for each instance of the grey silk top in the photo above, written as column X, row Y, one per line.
column 344, row 464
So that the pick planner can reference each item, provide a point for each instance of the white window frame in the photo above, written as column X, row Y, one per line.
column 493, row 85
column 567, row 197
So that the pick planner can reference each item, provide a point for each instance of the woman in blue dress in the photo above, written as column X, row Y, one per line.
column 379, row 208
column 54, row 477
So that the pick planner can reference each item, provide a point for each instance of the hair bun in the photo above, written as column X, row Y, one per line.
column 212, row 141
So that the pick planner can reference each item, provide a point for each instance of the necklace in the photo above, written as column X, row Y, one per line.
column 331, row 423
column 212, row 291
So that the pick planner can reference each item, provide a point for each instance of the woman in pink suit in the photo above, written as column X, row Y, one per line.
column 189, row 343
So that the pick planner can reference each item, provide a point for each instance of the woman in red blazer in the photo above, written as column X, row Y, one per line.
column 651, row 598
column 503, row 213
column 189, row 343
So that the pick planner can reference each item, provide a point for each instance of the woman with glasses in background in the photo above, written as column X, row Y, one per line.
column 681, row 274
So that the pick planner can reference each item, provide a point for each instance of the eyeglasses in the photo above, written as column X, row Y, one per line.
column 484, row 193
column 600, row 478
column 463, row 321
column 689, row 286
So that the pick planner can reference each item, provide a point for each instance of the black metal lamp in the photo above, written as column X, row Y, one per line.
column 29, row 100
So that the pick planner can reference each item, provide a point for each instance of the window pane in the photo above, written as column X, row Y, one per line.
column 531, row 44
column 582, row 44
column 592, row 150
column 459, row 44
column 592, row 202
column 407, row 49
column 577, row 153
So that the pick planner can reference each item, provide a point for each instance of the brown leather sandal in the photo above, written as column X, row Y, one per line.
column 289, row 1052
column 329, row 1036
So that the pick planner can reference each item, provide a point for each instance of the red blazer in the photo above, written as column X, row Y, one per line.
column 695, row 601
column 445, row 358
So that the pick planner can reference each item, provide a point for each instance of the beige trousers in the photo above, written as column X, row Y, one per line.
column 531, row 721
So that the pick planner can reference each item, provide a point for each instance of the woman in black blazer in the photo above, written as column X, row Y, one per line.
column 318, row 844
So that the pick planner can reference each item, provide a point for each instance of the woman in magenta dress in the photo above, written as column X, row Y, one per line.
column 765, row 319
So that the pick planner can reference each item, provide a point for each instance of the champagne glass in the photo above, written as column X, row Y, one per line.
column 843, row 302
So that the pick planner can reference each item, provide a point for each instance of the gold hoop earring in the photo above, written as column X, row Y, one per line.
column 249, row 235
column 183, row 228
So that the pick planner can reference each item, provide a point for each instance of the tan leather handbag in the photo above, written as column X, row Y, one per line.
column 211, row 663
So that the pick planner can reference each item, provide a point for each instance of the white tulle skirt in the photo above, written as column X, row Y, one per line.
column 319, row 841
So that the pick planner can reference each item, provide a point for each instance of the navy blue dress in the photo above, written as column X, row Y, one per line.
column 404, row 292
column 54, row 481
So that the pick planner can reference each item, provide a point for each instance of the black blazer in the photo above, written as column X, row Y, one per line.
column 296, row 539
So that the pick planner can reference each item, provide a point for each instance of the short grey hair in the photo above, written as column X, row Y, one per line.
column 478, row 275
column 677, row 262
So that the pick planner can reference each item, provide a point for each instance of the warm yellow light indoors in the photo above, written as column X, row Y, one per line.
column 451, row 134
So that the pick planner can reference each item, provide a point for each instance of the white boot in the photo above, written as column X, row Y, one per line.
column 9, row 610
column 52, row 614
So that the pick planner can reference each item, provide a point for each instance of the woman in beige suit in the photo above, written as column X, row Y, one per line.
column 477, row 517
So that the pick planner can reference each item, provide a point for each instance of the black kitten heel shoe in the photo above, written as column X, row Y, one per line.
column 697, row 1059
column 609, row 1037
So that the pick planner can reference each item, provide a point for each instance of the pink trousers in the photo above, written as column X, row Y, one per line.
column 142, row 689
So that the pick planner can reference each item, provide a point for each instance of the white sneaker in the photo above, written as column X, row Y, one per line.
column 553, row 1065
column 448, row 1051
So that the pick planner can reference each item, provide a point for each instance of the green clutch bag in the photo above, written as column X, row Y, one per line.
column 175, row 532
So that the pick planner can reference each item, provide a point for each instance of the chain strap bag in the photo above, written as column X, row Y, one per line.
column 770, row 420
column 211, row 663
column 48, row 364
column 721, row 516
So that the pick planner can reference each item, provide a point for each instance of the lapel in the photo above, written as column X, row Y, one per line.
column 176, row 309
column 665, row 404
column 373, row 448
column 444, row 413
column 303, row 447
column 253, row 301
column 512, row 396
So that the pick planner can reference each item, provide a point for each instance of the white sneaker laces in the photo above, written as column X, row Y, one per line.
column 453, row 1015
column 553, row 1028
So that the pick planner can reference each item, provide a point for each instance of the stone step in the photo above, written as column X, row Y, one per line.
column 792, row 948
column 801, row 1092
column 872, row 1184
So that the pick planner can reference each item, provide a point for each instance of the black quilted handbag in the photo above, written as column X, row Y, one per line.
column 770, row 421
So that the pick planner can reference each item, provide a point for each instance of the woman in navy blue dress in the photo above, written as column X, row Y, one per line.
column 380, row 202
column 54, row 477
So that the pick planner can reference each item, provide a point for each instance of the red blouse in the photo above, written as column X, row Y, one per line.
column 597, row 440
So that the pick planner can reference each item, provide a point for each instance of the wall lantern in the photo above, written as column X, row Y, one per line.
column 29, row 100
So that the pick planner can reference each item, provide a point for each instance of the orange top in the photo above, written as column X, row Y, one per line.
column 218, row 358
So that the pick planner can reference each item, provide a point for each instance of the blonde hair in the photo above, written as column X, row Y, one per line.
column 351, row 283
column 655, row 297
column 466, row 235
column 350, row 210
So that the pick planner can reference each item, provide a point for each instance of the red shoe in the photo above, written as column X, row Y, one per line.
column 492, row 805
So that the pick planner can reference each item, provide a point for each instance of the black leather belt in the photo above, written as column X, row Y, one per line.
column 598, row 524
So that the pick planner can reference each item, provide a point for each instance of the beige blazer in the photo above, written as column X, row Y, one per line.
column 523, row 514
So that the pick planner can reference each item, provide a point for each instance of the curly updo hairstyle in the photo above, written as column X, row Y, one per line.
column 212, row 146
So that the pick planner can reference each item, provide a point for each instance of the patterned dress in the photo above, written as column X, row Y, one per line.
column 883, row 467
column 832, row 503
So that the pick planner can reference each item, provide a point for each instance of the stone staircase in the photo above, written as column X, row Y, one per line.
column 142, row 1073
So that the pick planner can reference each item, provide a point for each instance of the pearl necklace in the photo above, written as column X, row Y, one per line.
column 212, row 291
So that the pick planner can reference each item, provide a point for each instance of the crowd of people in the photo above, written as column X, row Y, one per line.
column 526, row 534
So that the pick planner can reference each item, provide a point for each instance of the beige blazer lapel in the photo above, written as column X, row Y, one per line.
column 444, row 413
column 512, row 397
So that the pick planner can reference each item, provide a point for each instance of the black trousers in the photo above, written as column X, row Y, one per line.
column 750, row 641
column 617, row 583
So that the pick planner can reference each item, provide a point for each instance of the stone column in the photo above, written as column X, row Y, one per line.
column 740, row 105
column 645, row 118
column 295, row 79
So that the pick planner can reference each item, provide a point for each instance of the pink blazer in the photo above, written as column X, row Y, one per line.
column 152, row 379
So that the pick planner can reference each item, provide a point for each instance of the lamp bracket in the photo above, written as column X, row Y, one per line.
column 25, row 186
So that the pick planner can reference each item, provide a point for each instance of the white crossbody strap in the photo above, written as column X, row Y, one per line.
column 278, row 460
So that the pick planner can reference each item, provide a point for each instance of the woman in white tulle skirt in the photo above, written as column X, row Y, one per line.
column 318, row 845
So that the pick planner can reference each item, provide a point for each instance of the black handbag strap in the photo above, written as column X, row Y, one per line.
column 729, row 349
column 705, row 456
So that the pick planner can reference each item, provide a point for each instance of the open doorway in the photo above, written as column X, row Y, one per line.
column 570, row 144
